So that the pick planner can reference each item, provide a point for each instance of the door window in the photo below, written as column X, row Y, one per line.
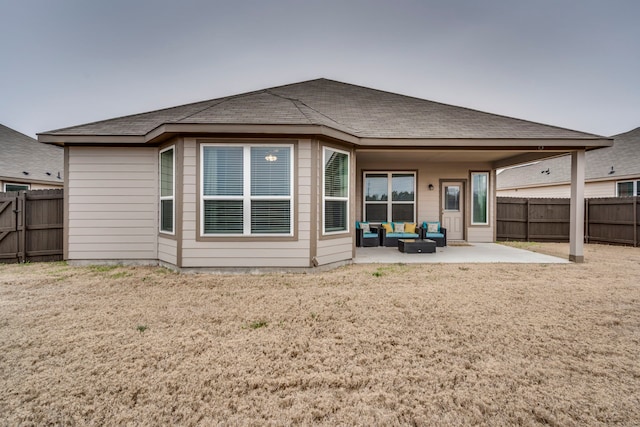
column 452, row 198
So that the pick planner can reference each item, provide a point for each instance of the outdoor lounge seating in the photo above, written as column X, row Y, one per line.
column 366, row 236
column 390, row 232
column 433, row 230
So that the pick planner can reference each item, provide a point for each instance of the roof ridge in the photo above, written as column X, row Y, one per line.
column 221, row 101
column 294, row 101
column 297, row 101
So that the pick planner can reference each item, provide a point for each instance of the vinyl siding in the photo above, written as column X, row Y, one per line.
column 591, row 190
column 246, row 252
column 32, row 186
column 167, row 250
column 112, row 203
column 334, row 250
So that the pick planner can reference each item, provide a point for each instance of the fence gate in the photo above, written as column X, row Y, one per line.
column 31, row 226
column 9, row 239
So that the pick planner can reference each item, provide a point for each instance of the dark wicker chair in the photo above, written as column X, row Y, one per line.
column 440, row 237
column 367, row 239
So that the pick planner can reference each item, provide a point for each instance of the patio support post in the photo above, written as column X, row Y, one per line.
column 576, row 226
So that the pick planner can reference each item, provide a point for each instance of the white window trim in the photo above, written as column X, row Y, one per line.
column 4, row 186
column 389, row 202
column 173, row 192
column 636, row 185
column 247, row 197
column 326, row 198
column 488, row 203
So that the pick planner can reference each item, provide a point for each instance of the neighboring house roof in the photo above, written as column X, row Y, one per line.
column 623, row 158
column 354, row 111
column 43, row 163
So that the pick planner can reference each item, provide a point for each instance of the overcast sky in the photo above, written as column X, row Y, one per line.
column 574, row 64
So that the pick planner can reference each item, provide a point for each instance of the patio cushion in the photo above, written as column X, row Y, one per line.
column 434, row 235
column 364, row 226
column 403, row 235
column 409, row 227
column 369, row 235
column 431, row 226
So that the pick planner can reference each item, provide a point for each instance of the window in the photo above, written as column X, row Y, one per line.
column 15, row 187
column 167, row 190
column 480, row 198
column 335, row 191
column 452, row 198
column 246, row 190
column 628, row 188
column 379, row 207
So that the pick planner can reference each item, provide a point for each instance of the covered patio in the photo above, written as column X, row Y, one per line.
column 456, row 254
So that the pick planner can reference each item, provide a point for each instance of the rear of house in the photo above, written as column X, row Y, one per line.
column 275, row 179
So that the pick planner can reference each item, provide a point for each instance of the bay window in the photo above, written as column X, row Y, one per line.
column 335, row 191
column 246, row 190
column 167, row 190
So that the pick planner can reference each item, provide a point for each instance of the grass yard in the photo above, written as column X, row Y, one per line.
column 494, row 344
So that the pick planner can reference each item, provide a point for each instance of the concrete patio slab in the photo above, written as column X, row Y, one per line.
column 463, row 254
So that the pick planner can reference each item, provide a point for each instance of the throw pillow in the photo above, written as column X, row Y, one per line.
column 398, row 227
column 433, row 227
column 387, row 227
column 409, row 228
column 365, row 227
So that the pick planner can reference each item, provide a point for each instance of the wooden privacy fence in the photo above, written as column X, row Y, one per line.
column 31, row 225
column 607, row 220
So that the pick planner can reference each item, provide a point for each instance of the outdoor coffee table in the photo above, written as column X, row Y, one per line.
column 416, row 246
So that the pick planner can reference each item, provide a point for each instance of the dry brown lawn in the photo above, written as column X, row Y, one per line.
column 431, row 344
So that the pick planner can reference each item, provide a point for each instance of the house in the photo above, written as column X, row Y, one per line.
column 609, row 172
column 276, row 178
column 26, row 164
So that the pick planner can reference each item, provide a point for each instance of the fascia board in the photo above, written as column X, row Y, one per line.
column 496, row 144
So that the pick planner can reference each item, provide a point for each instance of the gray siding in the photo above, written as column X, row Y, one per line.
column 246, row 252
column 112, row 204
column 591, row 190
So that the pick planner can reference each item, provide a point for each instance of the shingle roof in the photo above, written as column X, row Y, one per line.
column 21, row 153
column 623, row 156
column 356, row 110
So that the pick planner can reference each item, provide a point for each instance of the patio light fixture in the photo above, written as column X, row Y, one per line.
column 430, row 187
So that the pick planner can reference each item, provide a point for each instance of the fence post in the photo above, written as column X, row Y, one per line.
column 22, row 226
column 528, row 220
column 586, row 220
column 635, row 221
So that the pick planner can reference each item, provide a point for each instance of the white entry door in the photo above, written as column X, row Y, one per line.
column 453, row 209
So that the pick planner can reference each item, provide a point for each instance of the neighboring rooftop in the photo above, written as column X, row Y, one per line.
column 618, row 161
column 43, row 163
column 355, row 110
